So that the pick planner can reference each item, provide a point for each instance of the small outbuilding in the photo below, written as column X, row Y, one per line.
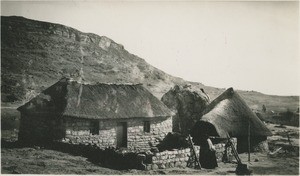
column 229, row 114
column 106, row 115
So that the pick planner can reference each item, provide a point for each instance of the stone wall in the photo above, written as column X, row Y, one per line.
column 182, row 157
column 169, row 159
column 78, row 131
column 140, row 140
column 222, row 150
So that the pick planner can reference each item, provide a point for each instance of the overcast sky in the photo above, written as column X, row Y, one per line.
column 245, row 45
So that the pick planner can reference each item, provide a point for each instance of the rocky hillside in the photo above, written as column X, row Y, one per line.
column 36, row 54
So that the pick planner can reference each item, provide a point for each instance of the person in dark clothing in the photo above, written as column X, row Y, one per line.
column 207, row 158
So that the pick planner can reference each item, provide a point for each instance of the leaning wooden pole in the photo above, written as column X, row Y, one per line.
column 235, row 153
column 194, row 151
column 248, row 139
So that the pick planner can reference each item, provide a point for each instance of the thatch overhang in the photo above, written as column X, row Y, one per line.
column 229, row 114
column 98, row 101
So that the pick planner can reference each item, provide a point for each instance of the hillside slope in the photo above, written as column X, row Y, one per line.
column 36, row 54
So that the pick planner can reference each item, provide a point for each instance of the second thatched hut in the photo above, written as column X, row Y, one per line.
column 229, row 115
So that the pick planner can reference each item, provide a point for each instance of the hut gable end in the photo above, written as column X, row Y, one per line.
column 52, row 100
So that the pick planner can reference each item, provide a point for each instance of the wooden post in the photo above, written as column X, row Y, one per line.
column 248, row 139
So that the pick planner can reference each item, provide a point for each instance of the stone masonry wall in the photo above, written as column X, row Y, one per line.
column 169, row 159
column 78, row 132
column 140, row 140
column 182, row 157
column 220, row 150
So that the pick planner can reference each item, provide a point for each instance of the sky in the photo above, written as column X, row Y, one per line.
column 244, row 45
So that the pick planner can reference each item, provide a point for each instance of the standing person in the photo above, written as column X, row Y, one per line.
column 208, row 158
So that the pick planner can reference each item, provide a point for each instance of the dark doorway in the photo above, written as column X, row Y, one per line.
column 202, row 128
column 122, row 134
column 94, row 127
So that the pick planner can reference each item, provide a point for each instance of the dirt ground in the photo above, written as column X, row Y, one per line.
column 42, row 161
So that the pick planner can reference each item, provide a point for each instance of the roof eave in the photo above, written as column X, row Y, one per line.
column 108, row 118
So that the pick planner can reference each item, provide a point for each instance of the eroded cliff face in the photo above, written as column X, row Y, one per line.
column 36, row 54
column 187, row 102
column 19, row 28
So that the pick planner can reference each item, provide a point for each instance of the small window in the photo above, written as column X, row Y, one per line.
column 146, row 126
column 94, row 127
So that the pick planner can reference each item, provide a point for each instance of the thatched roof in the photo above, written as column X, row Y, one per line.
column 98, row 101
column 230, row 114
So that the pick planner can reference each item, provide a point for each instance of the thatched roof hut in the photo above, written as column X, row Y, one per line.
column 106, row 115
column 229, row 114
column 98, row 101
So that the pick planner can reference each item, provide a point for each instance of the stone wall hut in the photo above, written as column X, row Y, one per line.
column 229, row 114
column 106, row 115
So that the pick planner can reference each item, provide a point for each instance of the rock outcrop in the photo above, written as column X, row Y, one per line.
column 187, row 102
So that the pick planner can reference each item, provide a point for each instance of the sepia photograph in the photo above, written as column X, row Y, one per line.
column 150, row 87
